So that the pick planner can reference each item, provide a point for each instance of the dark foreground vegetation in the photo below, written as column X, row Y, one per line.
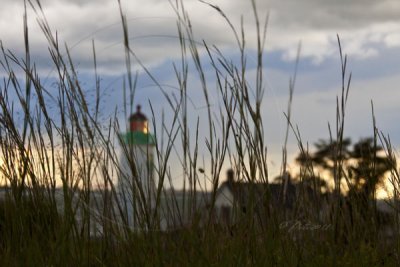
column 333, row 220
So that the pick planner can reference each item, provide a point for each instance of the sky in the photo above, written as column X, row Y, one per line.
column 369, row 31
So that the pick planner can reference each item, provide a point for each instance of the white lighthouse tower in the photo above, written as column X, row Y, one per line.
column 136, row 180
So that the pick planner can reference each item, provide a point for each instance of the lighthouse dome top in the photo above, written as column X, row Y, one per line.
column 138, row 131
column 138, row 115
column 138, row 122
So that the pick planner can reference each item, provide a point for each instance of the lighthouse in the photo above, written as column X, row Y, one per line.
column 136, row 180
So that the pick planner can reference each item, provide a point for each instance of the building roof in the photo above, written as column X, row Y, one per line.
column 138, row 115
column 257, row 192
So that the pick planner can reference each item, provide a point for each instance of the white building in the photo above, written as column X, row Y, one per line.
column 136, row 180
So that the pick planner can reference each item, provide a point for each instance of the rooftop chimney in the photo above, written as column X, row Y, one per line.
column 230, row 175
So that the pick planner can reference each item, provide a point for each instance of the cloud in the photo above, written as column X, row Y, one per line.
column 314, row 22
column 369, row 32
column 152, row 26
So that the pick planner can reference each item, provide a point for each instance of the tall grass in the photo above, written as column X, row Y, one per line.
column 69, row 148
